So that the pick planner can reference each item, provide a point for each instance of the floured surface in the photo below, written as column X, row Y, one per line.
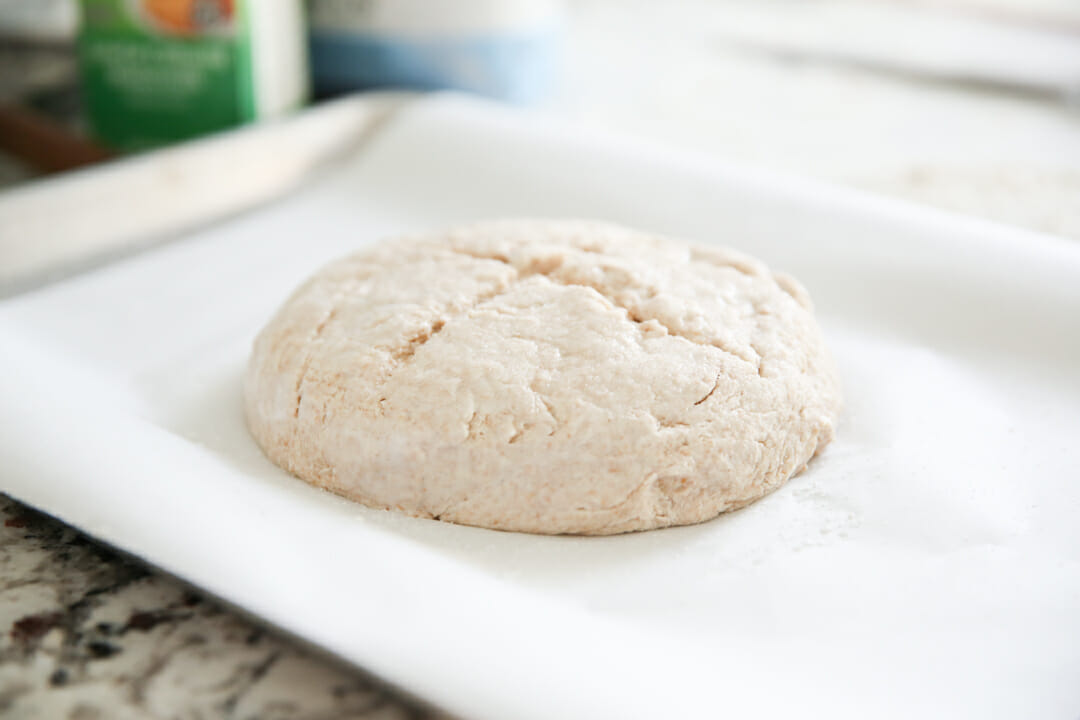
column 545, row 376
column 927, row 565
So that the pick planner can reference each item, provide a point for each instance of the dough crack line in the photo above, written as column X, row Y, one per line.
column 547, row 267
column 716, row 384
column 315, row 335
column 542, row 267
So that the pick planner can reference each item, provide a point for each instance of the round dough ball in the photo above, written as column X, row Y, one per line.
column 545, row 377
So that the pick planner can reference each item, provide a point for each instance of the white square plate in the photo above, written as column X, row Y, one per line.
column 926, row 565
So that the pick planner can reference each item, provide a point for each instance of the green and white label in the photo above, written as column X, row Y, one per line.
column 158, row 71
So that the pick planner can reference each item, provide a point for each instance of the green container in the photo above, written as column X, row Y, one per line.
column 159, row 71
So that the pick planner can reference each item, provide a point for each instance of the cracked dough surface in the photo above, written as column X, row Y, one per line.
column 546, row 377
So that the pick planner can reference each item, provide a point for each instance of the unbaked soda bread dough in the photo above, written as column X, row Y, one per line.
column 545, row 377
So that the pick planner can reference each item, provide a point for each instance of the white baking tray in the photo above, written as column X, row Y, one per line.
column 926, row 565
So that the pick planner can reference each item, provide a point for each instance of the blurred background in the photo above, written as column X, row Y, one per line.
column 971, row 105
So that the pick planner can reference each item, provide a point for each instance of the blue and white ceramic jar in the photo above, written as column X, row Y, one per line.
column 504, row 49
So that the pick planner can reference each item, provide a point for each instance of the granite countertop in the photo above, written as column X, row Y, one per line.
column 87, row 633
column 91, row 634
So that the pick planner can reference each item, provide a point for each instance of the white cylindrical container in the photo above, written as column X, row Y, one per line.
column 505, row 49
